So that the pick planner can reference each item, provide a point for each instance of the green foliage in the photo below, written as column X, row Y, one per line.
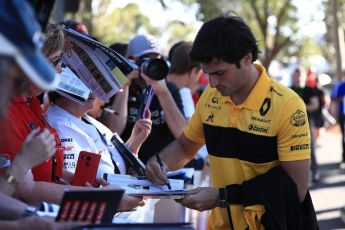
column 274, row 23
column 120, row 24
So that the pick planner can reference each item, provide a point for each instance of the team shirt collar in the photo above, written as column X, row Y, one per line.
column 258, row 93
column 260, row 90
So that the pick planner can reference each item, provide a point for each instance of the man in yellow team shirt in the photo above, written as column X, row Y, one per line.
column 256, row 132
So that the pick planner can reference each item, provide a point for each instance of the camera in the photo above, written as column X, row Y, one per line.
column 155, row 68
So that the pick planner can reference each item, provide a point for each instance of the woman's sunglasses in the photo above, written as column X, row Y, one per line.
column 57, row 60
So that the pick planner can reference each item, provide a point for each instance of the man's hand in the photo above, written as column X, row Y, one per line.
column 201, row 199
column 132, row 75
column 154, row 172
column 37, row 147
column 129, row 202
column 160, row 87
column 99, row 182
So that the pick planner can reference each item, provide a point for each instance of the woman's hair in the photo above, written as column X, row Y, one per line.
column 55, row 39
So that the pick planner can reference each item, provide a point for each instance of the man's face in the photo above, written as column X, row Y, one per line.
column 224, row 76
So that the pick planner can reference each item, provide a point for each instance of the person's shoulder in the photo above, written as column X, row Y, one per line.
column 211, row 94
column 282, row 92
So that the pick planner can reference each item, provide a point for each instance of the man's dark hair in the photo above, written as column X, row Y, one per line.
column 226, row 37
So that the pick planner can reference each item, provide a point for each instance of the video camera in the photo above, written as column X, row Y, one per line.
column 155, row 68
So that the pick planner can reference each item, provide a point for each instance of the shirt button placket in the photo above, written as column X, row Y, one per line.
column 233, row 116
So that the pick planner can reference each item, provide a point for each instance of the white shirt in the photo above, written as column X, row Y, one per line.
column 187, row 102
column 76, row 135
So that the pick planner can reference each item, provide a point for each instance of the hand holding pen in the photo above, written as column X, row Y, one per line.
column 161, row 166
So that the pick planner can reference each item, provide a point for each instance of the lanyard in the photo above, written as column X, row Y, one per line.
column 116, row 169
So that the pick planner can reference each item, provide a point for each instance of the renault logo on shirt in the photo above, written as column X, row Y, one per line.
column 265, row 106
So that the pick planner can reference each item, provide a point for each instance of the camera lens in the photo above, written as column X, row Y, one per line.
column 156, row 69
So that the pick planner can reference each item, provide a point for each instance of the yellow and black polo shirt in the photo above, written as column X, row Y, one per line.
column 247, row 140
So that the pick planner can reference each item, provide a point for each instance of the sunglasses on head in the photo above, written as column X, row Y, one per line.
column 57, row 60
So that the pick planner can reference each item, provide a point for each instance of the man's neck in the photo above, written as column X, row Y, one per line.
column 70, row 107
column 252, row 75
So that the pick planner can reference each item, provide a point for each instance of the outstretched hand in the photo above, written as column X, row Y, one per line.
column 201, row 199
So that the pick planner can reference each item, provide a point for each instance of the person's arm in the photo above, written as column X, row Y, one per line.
column 38, row 146
column 333, row 109
column 38, row 191
column 174, row 156
column 313, row 104
column 117, row 123
column 299, row 172
column 10, row 208
column 36, row 222
column 173, row 116
column 140, row 132
column 293, row 148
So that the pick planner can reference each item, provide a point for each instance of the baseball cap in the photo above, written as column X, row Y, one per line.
column 21, row 38
column 141, row 45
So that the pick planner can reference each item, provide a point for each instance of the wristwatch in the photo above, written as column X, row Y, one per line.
column 222, row 202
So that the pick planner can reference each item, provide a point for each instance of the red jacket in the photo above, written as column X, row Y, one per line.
column 20, row 119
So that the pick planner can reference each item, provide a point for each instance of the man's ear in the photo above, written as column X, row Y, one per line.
column 248, row 58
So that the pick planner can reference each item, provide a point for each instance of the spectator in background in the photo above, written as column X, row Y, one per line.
column 185, row 74
column 87, row 134
column 17, row 69
column 309, row 96
column 166, row 107
column 319, row 122
column 24, row 114
column 199, row 87
column 338, row 111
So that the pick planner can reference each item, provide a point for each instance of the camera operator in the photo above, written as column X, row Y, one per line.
column 166, row 107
